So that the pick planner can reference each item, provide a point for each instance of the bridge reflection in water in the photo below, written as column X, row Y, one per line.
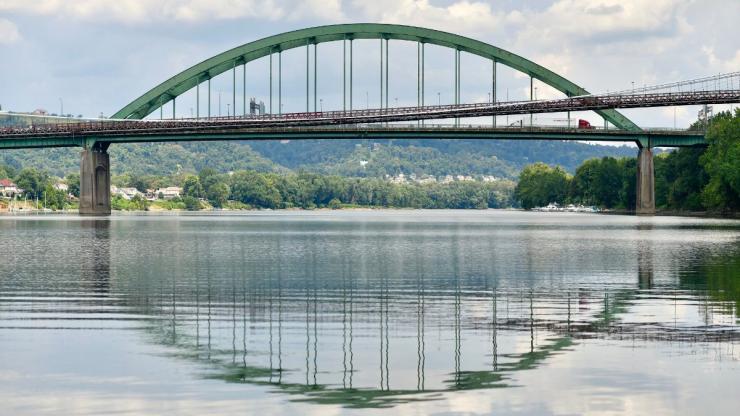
column 330, row 325
column 375, row 312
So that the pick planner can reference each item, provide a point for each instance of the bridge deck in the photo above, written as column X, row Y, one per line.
column 130, row 132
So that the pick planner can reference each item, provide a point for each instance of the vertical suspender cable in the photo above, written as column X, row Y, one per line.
column 244, row 88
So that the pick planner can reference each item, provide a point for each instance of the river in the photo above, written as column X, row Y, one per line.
column 369, row 312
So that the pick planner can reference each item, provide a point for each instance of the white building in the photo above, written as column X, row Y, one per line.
column 125, row 193
column 9, row 188
column 169, row 192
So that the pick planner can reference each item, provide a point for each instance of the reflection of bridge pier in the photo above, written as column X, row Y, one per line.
column 645, row 267
column 96, row 271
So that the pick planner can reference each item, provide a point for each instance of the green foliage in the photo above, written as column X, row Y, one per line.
column 605, row 182
column 33, row 182
column 679, row 180
column 137, row 203
column 335, row 203
column 540, row 184
column 73, row 184
column 254, row 189
column 431, row 156
column 7, row 171
column 722, row 163
column 309, row 190
column 687, row 179
column 192, row 187
column 218, row 194
column 169, row 204
column 191, row 203
column 52, row 198
column 501, row 158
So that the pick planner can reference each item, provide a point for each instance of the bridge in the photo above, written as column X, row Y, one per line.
column 129, row 124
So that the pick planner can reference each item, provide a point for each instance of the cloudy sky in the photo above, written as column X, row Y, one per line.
column 98, row 55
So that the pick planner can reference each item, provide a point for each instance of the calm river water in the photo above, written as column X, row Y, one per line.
column 381, row 312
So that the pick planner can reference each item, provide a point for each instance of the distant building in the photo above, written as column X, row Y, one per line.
column 169, row 192
column 61, row 187
column 125, row 193
column 8, row 188
column 447, row 179
column 427, row 179
column 489, row 178
column 400, row 178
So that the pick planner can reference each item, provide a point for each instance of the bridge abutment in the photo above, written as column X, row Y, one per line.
column 94, row 182
column 645, row 204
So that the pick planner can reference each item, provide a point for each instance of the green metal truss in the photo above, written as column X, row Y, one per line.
column 643, row 138
column 188, row 79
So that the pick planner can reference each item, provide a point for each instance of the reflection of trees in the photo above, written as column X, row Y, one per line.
column 718, row 275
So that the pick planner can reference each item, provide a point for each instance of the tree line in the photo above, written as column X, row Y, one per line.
column 39, row 185
column 307, row 190
column 688, row 179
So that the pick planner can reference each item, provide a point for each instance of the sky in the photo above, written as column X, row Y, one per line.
column 95, row 56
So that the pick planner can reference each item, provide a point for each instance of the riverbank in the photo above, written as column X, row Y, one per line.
column 177, row 211
column 678, row 213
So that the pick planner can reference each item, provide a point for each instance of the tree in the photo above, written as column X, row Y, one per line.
column 32, row 181
column 73, row 184
column 722, row 162
column 255, row 189
column 334, row 204
column 192, row 187
column 598, row 182
column 540, row 184
column 191, row 203
column 7, row 171
column 218, row 194
column 680, row 179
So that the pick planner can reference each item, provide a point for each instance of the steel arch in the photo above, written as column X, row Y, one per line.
column 185, row 80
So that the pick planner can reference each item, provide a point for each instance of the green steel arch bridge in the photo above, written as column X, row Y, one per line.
column 129, row 124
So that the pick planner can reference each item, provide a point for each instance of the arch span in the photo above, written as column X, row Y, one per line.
column 185, row 80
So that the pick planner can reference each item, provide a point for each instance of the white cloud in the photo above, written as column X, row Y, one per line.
column 462, row 17
column 143, row 11
column 731, row 64
column 8, row 32
column 605, row 20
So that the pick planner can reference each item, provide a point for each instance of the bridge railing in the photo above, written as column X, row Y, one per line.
column 385, row 115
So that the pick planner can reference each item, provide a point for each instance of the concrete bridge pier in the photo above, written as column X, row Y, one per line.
column 95, row 181
column 645, row 182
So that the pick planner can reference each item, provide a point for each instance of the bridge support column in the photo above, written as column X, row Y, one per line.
column 645, row 204
column 94, row 182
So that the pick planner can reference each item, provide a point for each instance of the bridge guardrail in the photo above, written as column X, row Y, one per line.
column 383, row 115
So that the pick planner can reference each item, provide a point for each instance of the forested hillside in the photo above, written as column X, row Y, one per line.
column 501, row 158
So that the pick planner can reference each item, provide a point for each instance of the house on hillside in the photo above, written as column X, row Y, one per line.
column 125, row 193
column 8, row 188
column 169, row 192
